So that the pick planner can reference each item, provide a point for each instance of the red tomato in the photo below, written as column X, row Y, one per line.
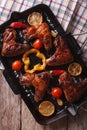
column 56, row 92
column 37, row 44
column 16, row 65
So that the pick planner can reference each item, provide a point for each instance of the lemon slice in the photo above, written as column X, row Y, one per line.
column 35, row 18
column 75, row 69
column 46, row 108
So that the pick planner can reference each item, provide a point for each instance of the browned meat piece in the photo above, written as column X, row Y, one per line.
column 73, row 91
column 39, row 81
column 62, row 54
column 26, row 79
column 65, row 77
column 10, row 47
column 42, row 32
column 9, row 34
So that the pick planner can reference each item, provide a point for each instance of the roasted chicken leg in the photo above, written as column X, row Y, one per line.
column 39, row 81
column 73, row 91
column 62, row 54
column 10, row 47
column 41, row 32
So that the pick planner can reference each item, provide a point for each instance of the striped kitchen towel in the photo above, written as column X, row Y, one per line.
column 72, row 14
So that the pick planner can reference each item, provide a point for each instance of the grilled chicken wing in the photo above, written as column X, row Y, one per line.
column 62, row 54
column 42, row 32
column 73, row 91
column 39, row 81
column 10, row 47
column 9, row 34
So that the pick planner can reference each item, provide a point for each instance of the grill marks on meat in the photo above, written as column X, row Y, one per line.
column 9, row 34
column 42, row 32
column 73, row 91
column 26, row 79
column 62, row 54
column 39, row 81
column 10, row 47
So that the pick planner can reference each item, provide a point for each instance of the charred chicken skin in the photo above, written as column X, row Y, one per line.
column 41, row 32
column 39, row 81
column 73, row 91
column 62, row 54
column 10, row 47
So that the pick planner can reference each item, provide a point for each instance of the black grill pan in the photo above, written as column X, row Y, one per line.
column 12, row 77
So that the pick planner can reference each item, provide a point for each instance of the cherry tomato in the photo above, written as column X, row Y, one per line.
column 56, row 92
column 16, row 65
column 37, row 44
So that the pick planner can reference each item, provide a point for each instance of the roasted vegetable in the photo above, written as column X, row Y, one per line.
column 56, row 72
column 27, row 62
column 60, row 102
column 37, row 44
column 56, row 92
column 18, row 25
column 16, row 65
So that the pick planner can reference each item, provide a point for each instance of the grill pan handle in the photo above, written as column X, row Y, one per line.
column 72, row 110
column 83, row 106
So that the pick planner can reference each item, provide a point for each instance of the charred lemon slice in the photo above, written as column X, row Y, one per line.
column 35, row 18
column 75, row 69
column 46, row 108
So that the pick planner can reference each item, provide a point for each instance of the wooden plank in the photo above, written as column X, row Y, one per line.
column 29, row 123
column 9, row 107
column 60, row 124
column 79, row 122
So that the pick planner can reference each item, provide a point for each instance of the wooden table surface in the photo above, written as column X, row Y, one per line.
column 14, row 114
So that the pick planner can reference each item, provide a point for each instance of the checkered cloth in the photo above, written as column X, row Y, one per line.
column 72, row 14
